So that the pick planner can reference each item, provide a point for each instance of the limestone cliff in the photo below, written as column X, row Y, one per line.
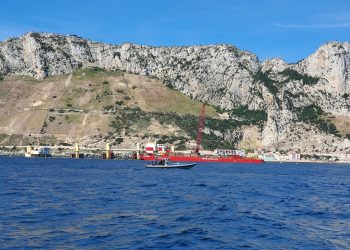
column 221, row 75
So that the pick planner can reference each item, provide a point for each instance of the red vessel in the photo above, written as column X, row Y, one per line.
column 202, row 158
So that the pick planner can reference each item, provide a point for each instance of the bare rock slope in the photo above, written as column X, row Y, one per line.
column 307, row 98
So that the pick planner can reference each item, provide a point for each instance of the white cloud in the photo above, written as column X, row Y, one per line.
column 313, row 26
column 342, row 16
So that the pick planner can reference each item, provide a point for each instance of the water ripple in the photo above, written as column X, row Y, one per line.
column 63, row 203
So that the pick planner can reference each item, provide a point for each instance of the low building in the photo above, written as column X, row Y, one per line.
column 270, row 156
column 229, row 152
column 293, row 156
column 41, row 152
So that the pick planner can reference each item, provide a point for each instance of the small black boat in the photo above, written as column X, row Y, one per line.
column 170, row 165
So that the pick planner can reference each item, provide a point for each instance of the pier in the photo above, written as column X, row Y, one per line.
column 73, row 151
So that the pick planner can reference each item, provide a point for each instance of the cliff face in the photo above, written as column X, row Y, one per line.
column 217, row 74
column 221, row 75
column 331, row 62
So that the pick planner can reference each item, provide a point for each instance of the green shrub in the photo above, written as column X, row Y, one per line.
column 106, row 93
column 249, row 116
column 134, row 119
column 169, row 84
column 96, row 69
column 296, row 76
column 108, row 107
column 270, row 84
column 313, row 114
column 118, row 140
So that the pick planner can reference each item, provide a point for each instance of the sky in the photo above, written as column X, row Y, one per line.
column 288, row 29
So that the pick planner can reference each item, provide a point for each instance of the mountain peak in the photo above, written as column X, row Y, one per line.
column 274, row 64
column 332, row 62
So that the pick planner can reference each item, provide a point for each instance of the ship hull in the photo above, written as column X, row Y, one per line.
column 228, row 159
column 172, row 165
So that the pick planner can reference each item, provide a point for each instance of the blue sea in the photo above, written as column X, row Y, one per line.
column 96, row 204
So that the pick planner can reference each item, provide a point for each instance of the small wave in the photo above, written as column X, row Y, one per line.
column 199, row 185
column 10, row 193
column 309, row 213
column 107, row 199
column 67, row 213
column 180, row 243
column 245, row 212
column 149, row 185
column 292, row 200
column 257, row 217
column 245, row 246
column 164, row 236
column 223, row 208
column 315, row 213
column 210, row 239
column 183, row 218
column 100, row 236
column 55, row 232
column 278, row 225
column 191, row 231
column 262, row 236
column 204, row 203
column 122, row 216
column 28, row 221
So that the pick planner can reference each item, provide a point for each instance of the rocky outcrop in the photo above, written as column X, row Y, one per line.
column 221, row 75
column 332, row 63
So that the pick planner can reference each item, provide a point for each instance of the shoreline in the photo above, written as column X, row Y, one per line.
column 310, row 161
column 98, row 158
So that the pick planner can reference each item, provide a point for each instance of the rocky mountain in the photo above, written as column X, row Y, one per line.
column 306, row 104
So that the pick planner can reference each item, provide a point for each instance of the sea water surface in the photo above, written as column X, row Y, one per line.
column 95, row 204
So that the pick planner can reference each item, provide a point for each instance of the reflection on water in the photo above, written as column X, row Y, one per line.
column 63, row 203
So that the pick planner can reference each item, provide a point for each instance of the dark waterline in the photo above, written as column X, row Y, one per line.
column 65, row 203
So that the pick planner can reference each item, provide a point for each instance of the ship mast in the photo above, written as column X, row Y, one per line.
column 201, row 120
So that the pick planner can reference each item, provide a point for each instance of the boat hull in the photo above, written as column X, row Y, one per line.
column 228, row 159
column 172, row 165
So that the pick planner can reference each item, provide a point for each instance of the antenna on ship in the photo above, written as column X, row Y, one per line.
column 201, row 120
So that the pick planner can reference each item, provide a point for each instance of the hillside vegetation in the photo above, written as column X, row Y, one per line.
column 93, row 106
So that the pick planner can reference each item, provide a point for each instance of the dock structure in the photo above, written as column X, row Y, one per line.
column 108, row 154
column 138, row 150
column 73, row 151
column 76, row 154
column 28, row 152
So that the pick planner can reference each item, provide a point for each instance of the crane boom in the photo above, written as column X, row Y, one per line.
column 201, row 120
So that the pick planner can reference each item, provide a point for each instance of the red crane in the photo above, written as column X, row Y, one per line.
column 201, row 120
